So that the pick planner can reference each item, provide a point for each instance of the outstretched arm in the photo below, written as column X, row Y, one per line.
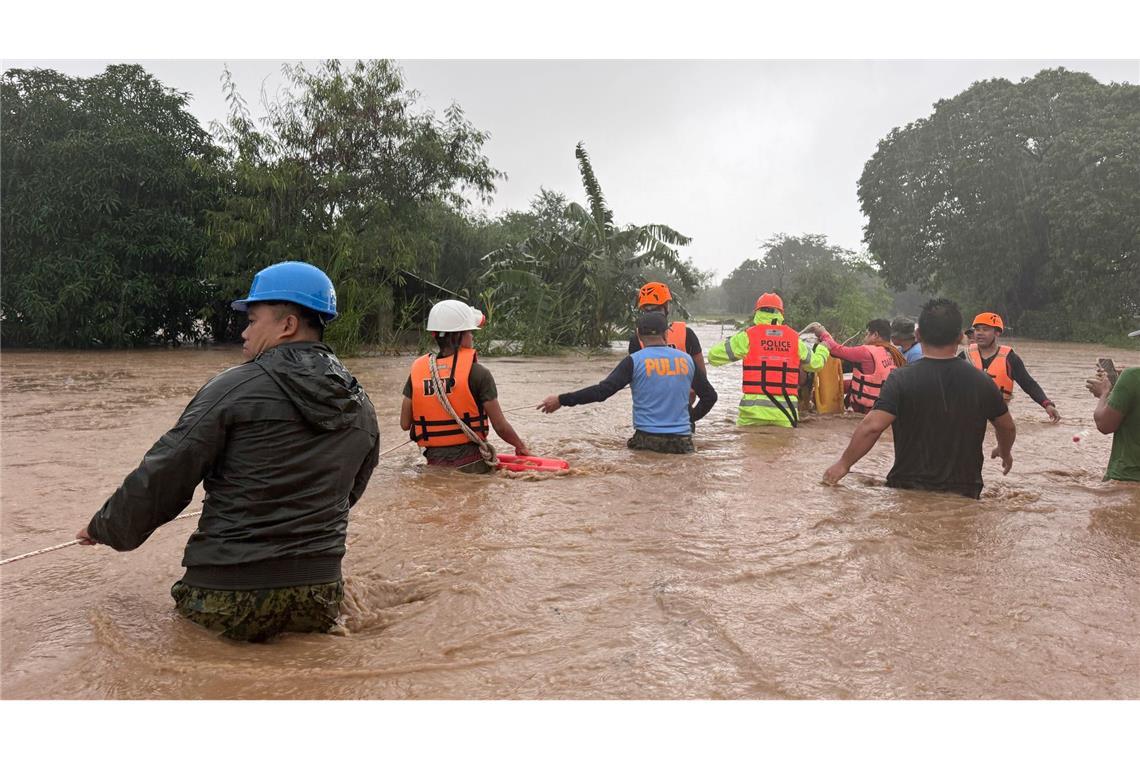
column 1022, row 377
column 731, row 349
column 164, row 482
column 862, row 441
column 614, row 382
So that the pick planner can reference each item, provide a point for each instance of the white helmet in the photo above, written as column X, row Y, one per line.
column 454, row 316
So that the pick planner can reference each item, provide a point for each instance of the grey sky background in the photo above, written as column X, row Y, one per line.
column 727, row 152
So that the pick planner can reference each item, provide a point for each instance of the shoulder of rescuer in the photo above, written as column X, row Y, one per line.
column 736, row 347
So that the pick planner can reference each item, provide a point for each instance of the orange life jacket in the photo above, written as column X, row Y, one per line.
column 998, row 369
column 676, row 337
column 431, row 424
column 772, row 366
column 865, row 388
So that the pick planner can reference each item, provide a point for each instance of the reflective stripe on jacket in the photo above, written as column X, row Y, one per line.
column 756, row 409
column 431, row 424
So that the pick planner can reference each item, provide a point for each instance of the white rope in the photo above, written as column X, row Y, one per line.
column 516, row 408
column 39, row 551
column 73, row 542
column 493, row 461
column 389, row 451
column 486, row 450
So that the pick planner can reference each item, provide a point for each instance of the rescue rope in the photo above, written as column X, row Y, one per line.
column 492, row 461
column 389, row 451
column 75, row 541
column 486, row 450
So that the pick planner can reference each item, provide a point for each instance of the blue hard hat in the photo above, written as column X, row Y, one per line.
column 295, row 282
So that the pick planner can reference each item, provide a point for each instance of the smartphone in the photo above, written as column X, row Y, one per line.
column 1109, row 369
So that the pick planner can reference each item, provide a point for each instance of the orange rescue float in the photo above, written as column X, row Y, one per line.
column 531, row 464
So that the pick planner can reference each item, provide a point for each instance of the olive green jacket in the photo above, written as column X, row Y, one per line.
column 284, row 445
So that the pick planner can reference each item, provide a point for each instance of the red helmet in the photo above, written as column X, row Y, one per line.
column 771, row 301
column 653, row 294
column 989, row 319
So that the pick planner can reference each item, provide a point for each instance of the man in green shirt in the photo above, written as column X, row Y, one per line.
column 1118, row 412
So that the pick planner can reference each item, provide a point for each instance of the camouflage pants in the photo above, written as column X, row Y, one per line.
column 260, row 614
column 662, row 443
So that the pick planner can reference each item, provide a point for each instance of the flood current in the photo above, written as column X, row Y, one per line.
column 732, row 573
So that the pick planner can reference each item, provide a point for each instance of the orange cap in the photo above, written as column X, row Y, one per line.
column 989, row 319
column 770, row 300
column 653, row 294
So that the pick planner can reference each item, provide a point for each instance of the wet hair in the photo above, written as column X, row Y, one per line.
column 940, row 322
column 304, row 315
column 880, row 327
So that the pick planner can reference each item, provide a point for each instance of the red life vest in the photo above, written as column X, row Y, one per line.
column 772, row 366
column 865, row 388
column 676, row 337
column 998, row 369
column 431, row 424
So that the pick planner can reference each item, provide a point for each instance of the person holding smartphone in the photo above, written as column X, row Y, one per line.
column 1118, row 414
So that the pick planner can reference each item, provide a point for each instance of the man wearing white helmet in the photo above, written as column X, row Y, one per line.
column 470, row 390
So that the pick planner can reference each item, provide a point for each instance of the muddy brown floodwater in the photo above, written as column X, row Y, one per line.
column 729, row 574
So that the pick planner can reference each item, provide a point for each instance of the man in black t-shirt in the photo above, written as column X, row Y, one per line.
column 938, row 409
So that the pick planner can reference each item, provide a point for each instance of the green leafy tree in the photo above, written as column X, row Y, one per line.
column 1021, row 198
column 818, row 282
column 106, row 181
column 467, row 240
column 346, row 175
column 571, row 282
column 744, row 285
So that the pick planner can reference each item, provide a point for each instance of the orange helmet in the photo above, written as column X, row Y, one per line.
column 770, row 300
column 989, row 319
column 653, row 294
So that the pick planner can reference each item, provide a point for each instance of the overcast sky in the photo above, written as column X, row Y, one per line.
column 728, row 153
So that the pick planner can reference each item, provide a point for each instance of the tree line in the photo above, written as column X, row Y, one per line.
column 124, row 222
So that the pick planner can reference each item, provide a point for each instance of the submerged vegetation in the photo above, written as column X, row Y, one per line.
column 124, row 222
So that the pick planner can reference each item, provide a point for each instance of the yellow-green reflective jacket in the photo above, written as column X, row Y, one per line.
column 757, row 408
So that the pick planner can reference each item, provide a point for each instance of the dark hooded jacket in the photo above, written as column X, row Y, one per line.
column 284, row 445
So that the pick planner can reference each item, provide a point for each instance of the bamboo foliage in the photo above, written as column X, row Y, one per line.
column 574, row 285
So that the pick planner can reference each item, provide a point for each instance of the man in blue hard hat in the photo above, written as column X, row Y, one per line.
column 284, row 445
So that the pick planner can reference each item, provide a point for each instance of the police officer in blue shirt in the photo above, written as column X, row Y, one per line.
column 659, row 378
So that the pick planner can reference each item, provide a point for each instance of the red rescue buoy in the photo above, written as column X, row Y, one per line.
column 531, row 464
